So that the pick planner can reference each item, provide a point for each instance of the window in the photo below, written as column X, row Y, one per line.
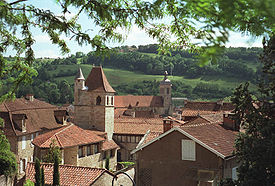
column 167, row 90
column 88, row 149
column 113, row 151
column 23, row 165
column 119, row 138
column 104, row 154
column 98, row 100
column 23, row 142
column 80, row 151
column 188, row 150
column 123, row 138
column 32, row 136
column 107, row 100
column 112, row 100
column 95, row 148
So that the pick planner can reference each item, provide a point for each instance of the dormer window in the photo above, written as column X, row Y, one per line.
column 98, row 100
column 20, row 121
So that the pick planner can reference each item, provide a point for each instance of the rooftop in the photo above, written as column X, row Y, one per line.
column 68, row 136
column 69, row 174
column 97, row 81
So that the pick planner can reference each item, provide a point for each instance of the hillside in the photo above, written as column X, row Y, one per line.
column 139, row 72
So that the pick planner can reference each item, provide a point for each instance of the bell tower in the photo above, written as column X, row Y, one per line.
column 95, row 106
column 165, row 89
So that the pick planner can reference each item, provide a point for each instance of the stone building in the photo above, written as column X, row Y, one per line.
column 124, row 118
column 79, row 147
column 25, row 119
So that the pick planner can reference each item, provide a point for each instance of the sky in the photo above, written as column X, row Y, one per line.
column 44, row 48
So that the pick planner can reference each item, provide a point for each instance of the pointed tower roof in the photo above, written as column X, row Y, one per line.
column 165, row 79
column 97, row 81
column 79, row 74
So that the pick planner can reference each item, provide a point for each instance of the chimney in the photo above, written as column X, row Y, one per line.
column 167, row 124
column 29, row 97
column 229, row 122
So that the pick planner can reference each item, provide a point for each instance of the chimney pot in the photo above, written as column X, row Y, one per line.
column 29, row 97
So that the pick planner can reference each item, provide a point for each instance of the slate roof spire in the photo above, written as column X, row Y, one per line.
column 97, row 81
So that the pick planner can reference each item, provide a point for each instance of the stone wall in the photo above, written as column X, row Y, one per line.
column 6, row 181
column 70, row 156
column 109, row 122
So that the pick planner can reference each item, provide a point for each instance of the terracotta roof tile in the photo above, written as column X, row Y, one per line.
column 213, row 135
column 67, row 136
column 109, row 144
column 138, row 126
column 69, row 175
column 97, row 81
column 138, row 101
column 151, row 136
column 202, row 108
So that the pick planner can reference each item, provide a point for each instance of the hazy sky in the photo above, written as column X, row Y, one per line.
column 44, row 48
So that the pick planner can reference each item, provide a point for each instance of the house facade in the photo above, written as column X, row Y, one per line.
column 196, row 153
column 25, row 119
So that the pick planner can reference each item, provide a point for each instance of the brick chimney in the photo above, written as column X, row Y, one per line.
column 167, row 124
column 229, row 122
column 29, row 97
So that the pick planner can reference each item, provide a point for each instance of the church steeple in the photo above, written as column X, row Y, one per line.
column 79, row 82
column 79, row 75
column 165, row 88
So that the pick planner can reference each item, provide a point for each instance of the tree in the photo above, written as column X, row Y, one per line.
column 255, row 148
column 42, row 177
column 7, row 158
column 37, row 172
column 216, row 18
column 56, row 171
column 54, row 150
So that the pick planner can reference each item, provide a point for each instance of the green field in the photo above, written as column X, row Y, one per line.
column 118, row 77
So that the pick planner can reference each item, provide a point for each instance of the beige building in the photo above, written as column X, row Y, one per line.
column 25, row 119
column 79, row 147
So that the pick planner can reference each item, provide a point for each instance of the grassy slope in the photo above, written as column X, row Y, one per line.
column 117, row 77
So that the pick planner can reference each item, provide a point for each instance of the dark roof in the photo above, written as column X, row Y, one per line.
column 69, row 174
column 39, row 116
column 67, row 136
column 97, row 81
column 138, row 101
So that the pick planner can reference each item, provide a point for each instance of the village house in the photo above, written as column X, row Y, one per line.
column 78, row 146
column 199, row 152
column 25, row 119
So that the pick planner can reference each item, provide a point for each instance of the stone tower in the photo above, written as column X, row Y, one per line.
column 79, row 85
column 94, row 103
column 165, row 88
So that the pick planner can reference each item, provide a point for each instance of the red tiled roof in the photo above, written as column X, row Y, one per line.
column 138, row 126
column 151, row 136
column 138, row 101
column 69, row 174
column 213, row 135
column 97, row 81
column 109, row 144
column 201, row 108
column 67, row 136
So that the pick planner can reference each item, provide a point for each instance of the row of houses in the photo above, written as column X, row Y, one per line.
column 195, row 148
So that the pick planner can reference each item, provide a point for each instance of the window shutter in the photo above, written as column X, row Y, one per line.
column 188, row 150
column 234, row 173
column 23, row 142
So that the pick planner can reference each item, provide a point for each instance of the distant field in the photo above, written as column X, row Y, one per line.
column 117, row 77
